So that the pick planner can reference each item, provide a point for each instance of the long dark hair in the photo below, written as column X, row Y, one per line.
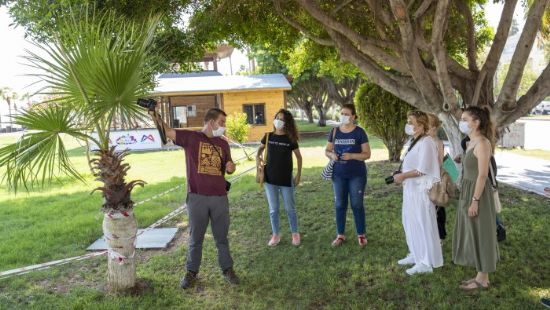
column 486, row 125
column 290, row 127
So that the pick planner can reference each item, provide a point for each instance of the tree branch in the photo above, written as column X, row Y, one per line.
column 439, row 52
column 390, row 82
column 454, row 66
column 300, row 27
column 380, row 13
column 507, row 97
column 341, row 6
column 465, row 10
column 368, row 46
column 412, row 57
column 538, row 91
column 488, row 70
column 422, row 9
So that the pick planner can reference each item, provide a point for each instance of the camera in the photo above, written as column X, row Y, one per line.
column 390, row 180
column 150, row 104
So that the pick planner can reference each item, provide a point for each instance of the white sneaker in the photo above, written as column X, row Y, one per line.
column 419, row 268
column 409, row 260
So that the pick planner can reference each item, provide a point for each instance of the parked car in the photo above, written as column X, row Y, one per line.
column 542, row 109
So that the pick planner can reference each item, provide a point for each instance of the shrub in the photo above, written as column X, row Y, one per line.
column 383, row 115
column 237, row 128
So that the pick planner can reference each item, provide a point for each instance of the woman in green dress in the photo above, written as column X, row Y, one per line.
column 474, row 239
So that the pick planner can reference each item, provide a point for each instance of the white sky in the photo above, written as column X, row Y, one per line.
column 12, row 69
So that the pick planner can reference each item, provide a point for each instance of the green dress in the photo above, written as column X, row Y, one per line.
column 474, row 239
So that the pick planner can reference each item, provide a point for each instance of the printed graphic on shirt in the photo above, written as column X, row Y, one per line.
column 271, row 142
column 209, row 160
column 345, row 142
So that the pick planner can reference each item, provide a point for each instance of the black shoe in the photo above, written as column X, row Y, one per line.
column 188, row 280
column 545, row 302
column 230, row 276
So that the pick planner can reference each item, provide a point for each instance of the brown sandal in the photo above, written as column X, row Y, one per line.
column 338, row 241
column 466, row 282
column 478, row 286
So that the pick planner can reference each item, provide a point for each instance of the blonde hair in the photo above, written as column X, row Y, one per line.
column 434, row 121
column 421, row 119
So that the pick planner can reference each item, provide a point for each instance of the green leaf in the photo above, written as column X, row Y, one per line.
column 40, row 154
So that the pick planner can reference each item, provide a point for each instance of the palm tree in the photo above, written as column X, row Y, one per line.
column 97, row 65
column 8, row 95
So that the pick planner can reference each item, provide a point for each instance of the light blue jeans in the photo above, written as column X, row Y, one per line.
column 272, row 194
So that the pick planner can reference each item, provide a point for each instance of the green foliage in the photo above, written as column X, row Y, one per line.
column 237, row 127
column 384, row 115
column 267, row 60
column 527, row 80
column 40, row 20
column 97, row 65
column 41, row 150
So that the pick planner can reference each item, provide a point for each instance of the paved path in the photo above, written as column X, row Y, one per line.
column 527, row 173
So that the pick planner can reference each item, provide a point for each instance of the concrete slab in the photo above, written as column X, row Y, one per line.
column 157, row 238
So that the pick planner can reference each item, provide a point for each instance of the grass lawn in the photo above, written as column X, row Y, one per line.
column 62, row 220
column 541, row 154
column 304, row 126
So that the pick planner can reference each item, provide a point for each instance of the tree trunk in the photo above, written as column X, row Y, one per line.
column 120, row 231
column 322, row 116
column 394, row 150
column 10, row 117
column 450, row 125
column 309, row 114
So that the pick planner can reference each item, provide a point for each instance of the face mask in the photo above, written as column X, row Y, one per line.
column 344, row 119
column 464, row 127
column 218, row 132
column 279, row 124
column 409, row 129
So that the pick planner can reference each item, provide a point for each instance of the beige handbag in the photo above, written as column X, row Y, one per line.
column 440, row 192
column 260, row 169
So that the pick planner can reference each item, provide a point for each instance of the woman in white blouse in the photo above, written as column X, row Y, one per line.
column 420, row 170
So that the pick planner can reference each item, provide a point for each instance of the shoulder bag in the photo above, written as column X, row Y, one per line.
column 260, row 169
column 326, row 174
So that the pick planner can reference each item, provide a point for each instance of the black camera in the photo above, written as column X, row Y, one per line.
column 150, row 104
column 390, row 180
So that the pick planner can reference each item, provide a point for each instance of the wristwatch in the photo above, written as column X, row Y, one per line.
column 475, row 199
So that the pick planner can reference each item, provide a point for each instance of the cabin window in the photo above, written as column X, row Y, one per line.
column 255, row 113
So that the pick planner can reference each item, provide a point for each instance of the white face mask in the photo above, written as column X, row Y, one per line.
column 278, row 124
column 464, row 127
column 344, row 119
column 218, row 132
column 409, row 129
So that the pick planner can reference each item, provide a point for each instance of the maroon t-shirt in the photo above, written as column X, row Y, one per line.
column 204, row 165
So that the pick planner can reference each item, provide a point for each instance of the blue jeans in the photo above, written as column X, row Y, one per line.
column 354, row 188
column 272, row 194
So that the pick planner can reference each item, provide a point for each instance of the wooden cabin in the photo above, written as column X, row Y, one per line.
column 185, row 98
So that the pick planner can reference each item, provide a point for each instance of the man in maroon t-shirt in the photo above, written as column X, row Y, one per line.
column 208, row 158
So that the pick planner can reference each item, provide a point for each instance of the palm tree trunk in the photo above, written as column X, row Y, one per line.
column 119, row 223
column 120, row 231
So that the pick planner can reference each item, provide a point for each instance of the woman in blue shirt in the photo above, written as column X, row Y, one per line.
column 348, row 146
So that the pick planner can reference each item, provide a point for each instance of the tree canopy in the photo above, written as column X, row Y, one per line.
column 40, row 19
column 427, row 53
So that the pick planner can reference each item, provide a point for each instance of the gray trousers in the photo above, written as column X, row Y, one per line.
column 202, row 209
